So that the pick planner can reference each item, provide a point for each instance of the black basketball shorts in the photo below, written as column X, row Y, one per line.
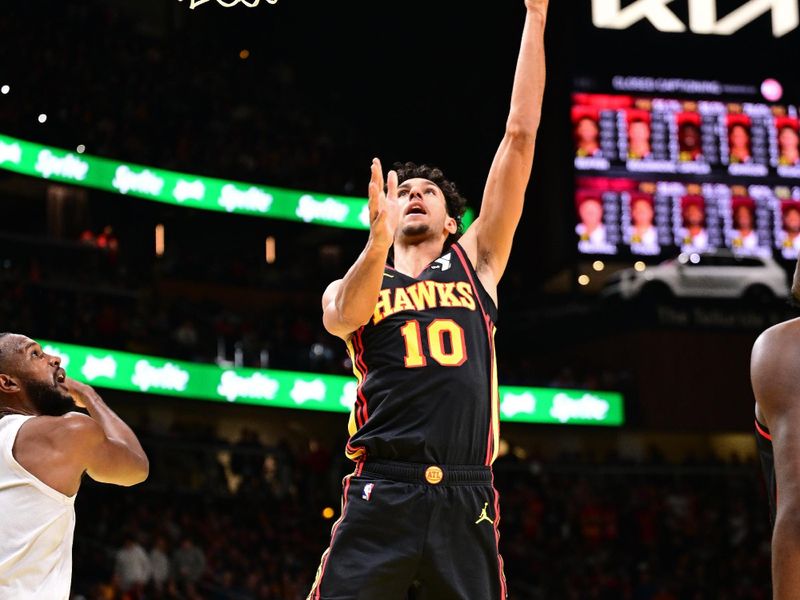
column 414, row 532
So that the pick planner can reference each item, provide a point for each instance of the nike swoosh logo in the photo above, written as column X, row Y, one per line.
column 387, row 275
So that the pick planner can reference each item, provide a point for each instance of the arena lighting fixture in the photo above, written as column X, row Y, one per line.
column 584, row 280
column 598, row 265
column 159, row 240
column 244, row 54
column 80, row 149
column 772, row 90
column 270, row 250
column 42, row 118
column 5, row 89
column 639, row 266
column 327, row 513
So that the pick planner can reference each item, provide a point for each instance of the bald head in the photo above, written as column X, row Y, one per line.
column 30, row 379
column 12, row 346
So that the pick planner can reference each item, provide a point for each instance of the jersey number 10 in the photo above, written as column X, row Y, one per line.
column 436, row 347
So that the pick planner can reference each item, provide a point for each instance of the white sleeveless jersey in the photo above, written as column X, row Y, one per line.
column 36, row 528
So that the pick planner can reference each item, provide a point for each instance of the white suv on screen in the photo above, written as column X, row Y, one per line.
column 718, row 274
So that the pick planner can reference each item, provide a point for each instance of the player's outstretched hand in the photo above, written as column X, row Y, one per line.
column 384, row 210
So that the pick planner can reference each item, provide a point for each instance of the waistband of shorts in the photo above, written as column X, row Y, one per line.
column 427, row 473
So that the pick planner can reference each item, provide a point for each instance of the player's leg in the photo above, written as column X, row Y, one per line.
column 461, row 560
column 375, row 545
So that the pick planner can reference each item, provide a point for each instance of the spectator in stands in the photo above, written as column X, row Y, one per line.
column 189, row 563
column 132, row 567
column 159, row 561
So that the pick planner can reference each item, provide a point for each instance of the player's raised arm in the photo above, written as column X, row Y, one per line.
column 488, row 240
column 348, row 303
column 776, row 355
column 103, row 443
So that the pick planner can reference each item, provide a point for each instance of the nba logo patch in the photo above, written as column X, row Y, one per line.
column 367, row 491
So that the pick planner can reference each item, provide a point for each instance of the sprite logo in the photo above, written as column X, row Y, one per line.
column 189, row 190
column 253, row 199
column 349, row 394
column 126, row 180
column 10, row 153
column 169, row 377
column 364, row 216
column 95, row 367
column 259, row 386
column 303, row 391
column 330, row 209
column 68, row 167
column 587, row 408
column 514, row 404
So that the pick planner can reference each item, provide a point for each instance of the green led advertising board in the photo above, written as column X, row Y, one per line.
column 311, row 391
column 181, row 189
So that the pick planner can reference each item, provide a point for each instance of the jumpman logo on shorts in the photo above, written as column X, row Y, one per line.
column 484, row 516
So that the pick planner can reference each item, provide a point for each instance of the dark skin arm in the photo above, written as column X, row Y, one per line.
column 773, row 371
column 58, row 450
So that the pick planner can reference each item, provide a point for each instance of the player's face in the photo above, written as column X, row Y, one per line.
column 587, row 131
column 690, row 136
column 791, row 221
column 36, row 373
column 694, row 215
column 639, row 132
column 740, row 138
column 423, row 210
column 591, row 213
column 743, row 218
column 788, row 140
column 642, row 213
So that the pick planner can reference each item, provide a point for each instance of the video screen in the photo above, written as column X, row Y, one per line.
column 659, row 217
column 659, row 175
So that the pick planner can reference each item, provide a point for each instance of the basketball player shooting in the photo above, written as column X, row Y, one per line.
column 420, row 514
column 773, row 372
column 45, row 448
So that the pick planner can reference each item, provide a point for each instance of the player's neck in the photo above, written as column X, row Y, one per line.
column 411, row 259
column 15, row 409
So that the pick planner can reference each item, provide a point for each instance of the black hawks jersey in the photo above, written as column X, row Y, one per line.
column 764, row 443
column 425, row 363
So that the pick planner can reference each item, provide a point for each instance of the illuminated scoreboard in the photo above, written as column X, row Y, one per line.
column 658, row 173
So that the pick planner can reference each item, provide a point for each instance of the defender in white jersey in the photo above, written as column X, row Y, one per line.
column 45, row 449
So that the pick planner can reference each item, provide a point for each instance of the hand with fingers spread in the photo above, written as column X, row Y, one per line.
column 384, row 211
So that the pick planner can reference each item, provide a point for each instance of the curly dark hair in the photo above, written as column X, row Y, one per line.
column 456, row 203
